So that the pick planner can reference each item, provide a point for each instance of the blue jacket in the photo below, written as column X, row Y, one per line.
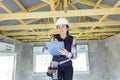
column 67, row 43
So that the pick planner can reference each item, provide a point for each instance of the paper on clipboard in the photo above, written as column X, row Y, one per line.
column 53, row 47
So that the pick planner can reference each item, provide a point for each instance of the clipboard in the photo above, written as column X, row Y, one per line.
column 53, row 47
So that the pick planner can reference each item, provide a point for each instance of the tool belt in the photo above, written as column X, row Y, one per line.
column 53, row 69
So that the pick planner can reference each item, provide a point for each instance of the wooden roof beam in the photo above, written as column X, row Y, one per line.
column 34, row 37
column 20, row 5
column 37, row 6
column 65, row 5
column 91, row 3
column 9, row 11
column 52, row 5
column 46, row 1
column 103, row 17
column 50, row 26
column 46, row 33
column 97, row 4
column 70, row 13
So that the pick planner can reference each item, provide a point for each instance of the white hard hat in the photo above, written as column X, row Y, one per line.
column 62, row 21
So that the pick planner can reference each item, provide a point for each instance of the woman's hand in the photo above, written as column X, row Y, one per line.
column 55, row 40
column 63, row 51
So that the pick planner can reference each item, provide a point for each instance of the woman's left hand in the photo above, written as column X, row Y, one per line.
column 63, row 51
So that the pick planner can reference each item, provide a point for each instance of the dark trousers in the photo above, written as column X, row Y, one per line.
column 65, row 72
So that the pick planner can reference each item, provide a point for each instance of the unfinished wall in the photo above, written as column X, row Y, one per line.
column 113, row 45
column 97, row 59
column 19, row 51
column 27, row 62
column 104, row 57
column 24, row 58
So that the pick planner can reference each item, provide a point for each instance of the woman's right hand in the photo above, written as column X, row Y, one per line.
column 55, row 40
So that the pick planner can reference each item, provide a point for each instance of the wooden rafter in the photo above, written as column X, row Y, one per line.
column 46, row 1
column 70, row 13
column 44, row 32
column 103, row 17
column 97, row 4
column 50, row 26
column 9, row 11
column 37, row 6
column 34, row 37
column 65, row 5
column 91, row 3
column 52, row 5
column 20, row 5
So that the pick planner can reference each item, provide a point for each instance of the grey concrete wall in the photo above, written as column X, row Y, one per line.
column 113, row 45
column 27, row 62
column 104, row 57
column 19, row 51
column 24, row 58
column 97, row 59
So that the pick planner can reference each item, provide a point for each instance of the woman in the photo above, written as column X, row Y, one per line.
column 65, row 69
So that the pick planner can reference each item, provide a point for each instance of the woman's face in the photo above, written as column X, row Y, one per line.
column 62, row 29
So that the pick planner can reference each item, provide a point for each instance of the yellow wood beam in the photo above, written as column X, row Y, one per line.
column 70, row 13
column 103, row 30
column 37, row 6
column 9, row 11
column 97, row 4
column 103, row 17
column 95, row 17
column 49, row 26
column 74, row 7
column 40, row 40
column 91, row 3
column 30, row 21
column 61, row 5
column 98, row 17
column 23, row 33
column 52, row 5
column 34, row 37
column 65, row 5
column 46, row 1
column 44, row 40
column 92, row 38
column 20, row 5
column 95, row 34
column 58, row 3
column 5, row 8
column 54, row 30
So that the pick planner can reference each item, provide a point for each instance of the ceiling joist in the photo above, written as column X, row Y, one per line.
column 48, row 33
column 49, row 26
column 70, row 13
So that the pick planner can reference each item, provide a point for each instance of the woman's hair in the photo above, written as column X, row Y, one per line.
column 68, row 29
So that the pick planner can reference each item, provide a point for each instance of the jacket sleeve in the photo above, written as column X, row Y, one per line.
column 73, row 53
